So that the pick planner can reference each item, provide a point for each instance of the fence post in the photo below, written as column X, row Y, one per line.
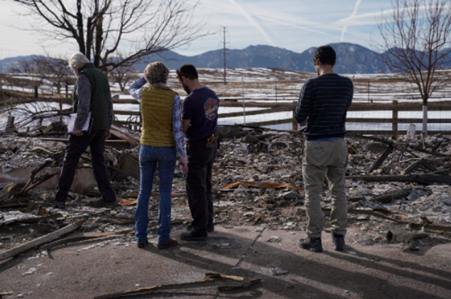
column 61, row 109
column 395, row 118
column 10, row 124
column 294, row 123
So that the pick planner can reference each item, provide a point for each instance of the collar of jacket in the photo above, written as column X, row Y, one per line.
column 86, row 66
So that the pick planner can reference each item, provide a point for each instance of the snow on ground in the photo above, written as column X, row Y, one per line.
column 276, row 85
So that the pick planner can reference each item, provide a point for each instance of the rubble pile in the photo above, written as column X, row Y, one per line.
column 393, row 185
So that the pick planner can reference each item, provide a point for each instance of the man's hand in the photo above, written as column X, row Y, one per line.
column 182, row 162
column 107, row 133
column 77, row 132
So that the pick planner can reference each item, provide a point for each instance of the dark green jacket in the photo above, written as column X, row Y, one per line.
column 100, row 97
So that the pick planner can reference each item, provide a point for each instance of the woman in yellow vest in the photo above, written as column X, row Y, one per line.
column 161, row 143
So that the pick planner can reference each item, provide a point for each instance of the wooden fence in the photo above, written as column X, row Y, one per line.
column 132, row 118
column 393, row 108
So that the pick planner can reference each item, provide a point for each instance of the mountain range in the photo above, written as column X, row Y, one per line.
column 351, row 59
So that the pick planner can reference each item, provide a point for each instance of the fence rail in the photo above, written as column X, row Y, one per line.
column 268, row 107
column 394, row 108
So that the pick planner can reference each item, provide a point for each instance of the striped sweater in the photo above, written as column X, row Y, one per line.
column 323, row 104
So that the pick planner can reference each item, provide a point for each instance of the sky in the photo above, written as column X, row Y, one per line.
column 295, row 25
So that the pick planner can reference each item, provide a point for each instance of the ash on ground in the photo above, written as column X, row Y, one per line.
column 393, row 184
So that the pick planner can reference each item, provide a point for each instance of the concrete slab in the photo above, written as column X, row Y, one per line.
column 90, row 270
column 379, row 271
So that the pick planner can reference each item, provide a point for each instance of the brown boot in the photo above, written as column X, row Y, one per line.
column 167, row 244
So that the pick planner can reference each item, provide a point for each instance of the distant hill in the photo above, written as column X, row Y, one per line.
column 7, row 64
column 351, row 59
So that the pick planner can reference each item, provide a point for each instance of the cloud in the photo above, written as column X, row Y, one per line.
column 292, row 21
column 253, row 22
column 354, row 12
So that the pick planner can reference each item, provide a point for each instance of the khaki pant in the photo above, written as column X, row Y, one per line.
column 325, row 159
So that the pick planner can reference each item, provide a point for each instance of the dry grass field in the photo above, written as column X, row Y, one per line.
column 275, row 86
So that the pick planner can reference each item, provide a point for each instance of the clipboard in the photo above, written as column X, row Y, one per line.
column 71, row 123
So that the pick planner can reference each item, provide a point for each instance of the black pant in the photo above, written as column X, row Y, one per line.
column 75, row 148
column 198, row 184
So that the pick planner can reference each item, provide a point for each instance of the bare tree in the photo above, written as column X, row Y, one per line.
column 53, row 70
column 24, row 66
column 416, row 43
column 27, row 66
column 100, row 28
column 122, row 74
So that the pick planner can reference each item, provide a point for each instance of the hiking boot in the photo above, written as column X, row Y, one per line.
column 339, row 241
column 100, row 203
column 210, row 228
column 167, row 244
column 312, row 244
column 192, row 236
column 143, row 244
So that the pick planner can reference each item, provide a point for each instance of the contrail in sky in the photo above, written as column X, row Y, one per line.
column 252, row 21
column 345, row 28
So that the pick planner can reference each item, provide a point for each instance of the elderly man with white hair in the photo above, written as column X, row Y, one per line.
column 92, row 97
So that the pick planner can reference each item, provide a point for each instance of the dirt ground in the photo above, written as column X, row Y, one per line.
column 285, row 270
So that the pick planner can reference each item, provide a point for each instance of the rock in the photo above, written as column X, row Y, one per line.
column 274, row 239
column 250, row 139
column 277, row 271
column 413, row 195
column 375, row 147
column 290, row 195
column 31, row 271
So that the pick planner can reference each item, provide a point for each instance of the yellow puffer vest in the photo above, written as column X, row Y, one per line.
column 156, row 112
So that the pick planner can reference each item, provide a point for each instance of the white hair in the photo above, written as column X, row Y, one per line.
column 77, row 60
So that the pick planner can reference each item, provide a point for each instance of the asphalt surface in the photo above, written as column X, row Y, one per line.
column 286, row 271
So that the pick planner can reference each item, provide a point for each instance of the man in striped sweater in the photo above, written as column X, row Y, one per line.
column 322, row 108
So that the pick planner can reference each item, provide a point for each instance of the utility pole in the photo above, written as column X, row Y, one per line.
column 225, row 63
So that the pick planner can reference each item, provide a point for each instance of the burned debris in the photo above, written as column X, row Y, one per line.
column 398, row 192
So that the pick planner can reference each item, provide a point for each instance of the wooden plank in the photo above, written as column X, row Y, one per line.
column 271, row 122
column 257, row 104
column 124, row 112
column 398, row 121
column 265, row 111
column 125, row 101
column 41, row 240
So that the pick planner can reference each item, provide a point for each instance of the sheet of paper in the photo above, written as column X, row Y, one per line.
column 71, row 122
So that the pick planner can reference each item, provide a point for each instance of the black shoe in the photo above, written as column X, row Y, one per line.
column 312, row 244
column 210, row 228
column 143, row 244
column 167, row 244
column 100, row 203
column 192, row 236
column 58, row 204
column 339, row 241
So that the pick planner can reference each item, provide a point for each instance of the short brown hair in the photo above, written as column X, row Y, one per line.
column 156, row 72
column 188, row 71
column 326, row 55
